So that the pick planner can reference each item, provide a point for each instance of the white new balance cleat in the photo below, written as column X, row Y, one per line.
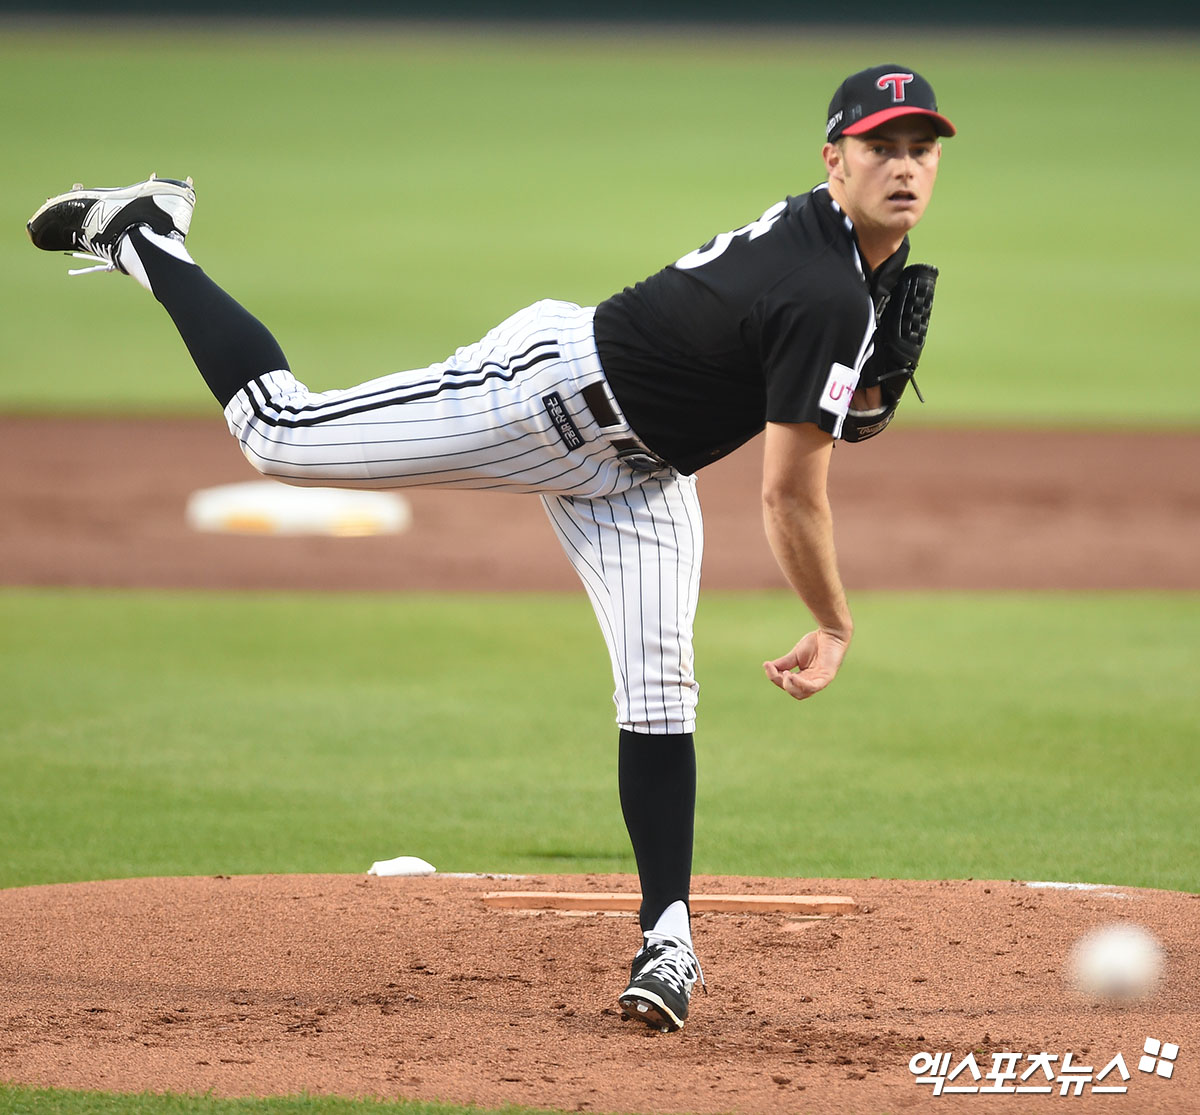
column 90, row 223
column 661, row 979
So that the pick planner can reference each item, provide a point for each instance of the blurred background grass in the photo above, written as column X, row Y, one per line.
column 380, row 196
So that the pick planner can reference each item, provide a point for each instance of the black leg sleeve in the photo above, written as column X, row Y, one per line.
column 657, row 779
column 229, row 345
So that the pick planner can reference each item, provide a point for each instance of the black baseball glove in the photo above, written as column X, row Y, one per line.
column 899, row 339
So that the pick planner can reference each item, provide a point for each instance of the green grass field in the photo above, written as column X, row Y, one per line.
column 46, row 1101
column 381, row 198
column 158, row 734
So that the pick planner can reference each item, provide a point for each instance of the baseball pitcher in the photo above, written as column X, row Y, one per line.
column 805, row 321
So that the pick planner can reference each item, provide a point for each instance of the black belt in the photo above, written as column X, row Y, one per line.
column 629, row 448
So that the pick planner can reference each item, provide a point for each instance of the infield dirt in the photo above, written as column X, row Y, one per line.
column 101, row 502
column 363, row 986
column 412, row 987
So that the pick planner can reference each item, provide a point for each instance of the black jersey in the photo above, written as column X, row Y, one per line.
column 770, row 323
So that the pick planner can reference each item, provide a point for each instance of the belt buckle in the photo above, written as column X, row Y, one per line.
column 614, row 427
column 641, row 460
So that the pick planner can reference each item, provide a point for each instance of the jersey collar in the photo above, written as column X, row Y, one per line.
column 884, row 276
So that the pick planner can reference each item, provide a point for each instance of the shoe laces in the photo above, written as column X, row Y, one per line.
column 101, row 258
column 671, row 961
column 103, row 263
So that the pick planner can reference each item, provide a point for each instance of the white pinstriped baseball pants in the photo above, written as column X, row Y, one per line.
column 507, row 414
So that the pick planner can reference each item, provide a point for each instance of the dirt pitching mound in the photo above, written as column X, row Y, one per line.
column 413, row 987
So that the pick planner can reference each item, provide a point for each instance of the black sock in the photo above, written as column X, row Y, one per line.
column 657, row 780
column 230, row 346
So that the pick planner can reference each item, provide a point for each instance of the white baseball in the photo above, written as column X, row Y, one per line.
column 1120, row 962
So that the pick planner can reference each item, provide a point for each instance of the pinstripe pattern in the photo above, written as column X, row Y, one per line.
column 638, row 555
column 475, row 420
column 478, row 420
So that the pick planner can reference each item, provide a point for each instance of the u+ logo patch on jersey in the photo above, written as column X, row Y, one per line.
column 719, row 244
column 839, row 389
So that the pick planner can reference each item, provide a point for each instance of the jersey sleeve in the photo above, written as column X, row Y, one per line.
column 814, row 344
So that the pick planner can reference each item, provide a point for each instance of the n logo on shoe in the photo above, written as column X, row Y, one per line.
column 106, row 210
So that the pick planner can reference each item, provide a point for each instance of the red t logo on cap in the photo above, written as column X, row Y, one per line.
column 897, row 82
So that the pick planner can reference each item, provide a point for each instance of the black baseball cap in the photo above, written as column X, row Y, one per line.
column 873, row 97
